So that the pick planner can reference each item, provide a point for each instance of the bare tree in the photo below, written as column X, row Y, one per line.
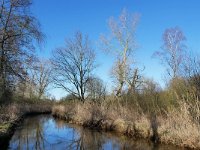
column 118, row 73
column 134, row 81
column 41, row 76
column 37, row 81
column 18, row 30
column 173, row 51
column 192, row 72
column 73, row 65
column 96, row 90
column 122, row 43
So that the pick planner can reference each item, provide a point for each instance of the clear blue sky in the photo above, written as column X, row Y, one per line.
column 61, row 18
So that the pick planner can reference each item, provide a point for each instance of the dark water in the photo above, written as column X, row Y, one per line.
column 44, row 132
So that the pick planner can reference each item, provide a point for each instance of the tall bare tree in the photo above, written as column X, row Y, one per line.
column 173, row 51
column 73, row 65
column 122, row 43
column 18, row 31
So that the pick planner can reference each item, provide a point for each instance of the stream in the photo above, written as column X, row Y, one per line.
column 43, row 132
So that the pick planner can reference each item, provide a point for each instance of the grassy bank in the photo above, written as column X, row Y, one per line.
column 11, row 114
column 173, row 127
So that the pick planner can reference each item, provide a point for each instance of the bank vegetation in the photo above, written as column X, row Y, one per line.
column 136, row 105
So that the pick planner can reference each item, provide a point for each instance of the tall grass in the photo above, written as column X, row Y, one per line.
column 167, row 116
column 11, row 112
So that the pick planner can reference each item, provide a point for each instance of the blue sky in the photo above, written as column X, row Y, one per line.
column 61, row 18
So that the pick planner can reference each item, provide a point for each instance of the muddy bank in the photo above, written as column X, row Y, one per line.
column 171, row 130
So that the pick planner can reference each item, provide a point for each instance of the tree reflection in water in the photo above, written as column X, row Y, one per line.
column 45, row 133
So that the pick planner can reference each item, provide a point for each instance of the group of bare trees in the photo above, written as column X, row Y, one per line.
column 37, row 82
column 74, row 63
column 71, row 66
column 19, row 30
column 96, row 89
column 22, row 72
column 40, row 78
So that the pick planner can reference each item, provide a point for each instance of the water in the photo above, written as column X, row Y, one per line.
column 43, row 132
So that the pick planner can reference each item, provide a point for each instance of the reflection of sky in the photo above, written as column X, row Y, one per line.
column 58, row 135
column 54, row 136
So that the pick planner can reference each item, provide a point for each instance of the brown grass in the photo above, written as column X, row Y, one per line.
column 175, row 127
column 11, row 113
column 179, row 128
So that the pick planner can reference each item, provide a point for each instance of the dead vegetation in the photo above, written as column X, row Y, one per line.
column 10, row 114
column 170, row 116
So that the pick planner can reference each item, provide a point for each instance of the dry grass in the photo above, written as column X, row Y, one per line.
column 179, row 128
column 106, row 118
column 175, row 127
column 11, row 113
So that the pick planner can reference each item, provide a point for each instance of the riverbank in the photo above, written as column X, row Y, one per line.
column 12, row 114
column 176, row 127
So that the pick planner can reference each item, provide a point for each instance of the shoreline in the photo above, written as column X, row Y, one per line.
column 7, row 128
column 112, row 126
column 85, row 115
column 143, row 128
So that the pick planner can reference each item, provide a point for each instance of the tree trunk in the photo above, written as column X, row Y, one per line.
column 119, row 91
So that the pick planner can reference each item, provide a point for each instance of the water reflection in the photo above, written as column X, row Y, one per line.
column 45, row 133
